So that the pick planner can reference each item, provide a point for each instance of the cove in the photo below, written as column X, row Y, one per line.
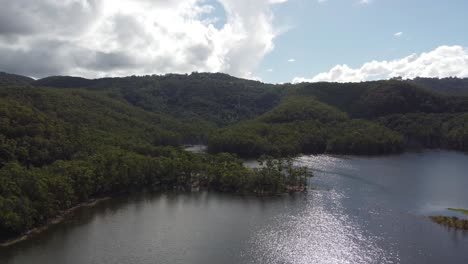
column 362, row 210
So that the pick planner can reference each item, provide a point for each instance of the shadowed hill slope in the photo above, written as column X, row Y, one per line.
column 216, row 98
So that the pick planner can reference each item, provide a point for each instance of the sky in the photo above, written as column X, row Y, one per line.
column 274, row 41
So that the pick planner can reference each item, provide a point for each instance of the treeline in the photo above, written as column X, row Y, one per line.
column 451, row 85
column 451, row 222
column 230, row 114
column 431, row 130
column 211, row 99
column 35, row 120
column 357, row 118
column 13, row 79
column 59, row 148
column 371, row 100
column 305, row 125
column 30, row 196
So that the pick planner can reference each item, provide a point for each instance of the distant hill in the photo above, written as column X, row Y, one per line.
column 302, row 124
column 251, row 118
column 13, row 79
column 217, row 98
column 351, row 118
column 380, row 98
column 454, row 86
column 64, row 82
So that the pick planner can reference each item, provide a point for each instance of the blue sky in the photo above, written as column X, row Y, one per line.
column 271, row 40
column 322, row 35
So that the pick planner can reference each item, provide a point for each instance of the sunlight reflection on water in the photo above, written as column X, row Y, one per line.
column 323, row 233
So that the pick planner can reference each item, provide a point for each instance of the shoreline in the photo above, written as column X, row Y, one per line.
column 93, row 202
column 450, row 222
column 54, row 221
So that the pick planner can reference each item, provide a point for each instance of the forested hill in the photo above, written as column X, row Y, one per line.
column 201, row 107
column 455, row 86
column 63, row 146
column 374, row 99
column 13, row 79
column 354, row 118
column 65, row 140
column 217, row 98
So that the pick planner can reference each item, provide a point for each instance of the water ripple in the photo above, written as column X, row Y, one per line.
column 323, row 233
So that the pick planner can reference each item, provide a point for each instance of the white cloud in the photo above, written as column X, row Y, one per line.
column 444, row 61
column 364, row 2
column 95, row 38
column 398, row 34
column 278, row 1
column 292, row 60
column 269, row 70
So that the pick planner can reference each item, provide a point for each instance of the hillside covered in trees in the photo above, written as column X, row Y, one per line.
column 355, row 118
column 60, row 147
column 65, row 140
column 454, row 85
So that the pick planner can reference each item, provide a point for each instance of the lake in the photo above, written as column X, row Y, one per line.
column 362, row 210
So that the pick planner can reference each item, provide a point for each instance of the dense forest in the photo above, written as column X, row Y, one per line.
column 65, row 140
column 353, row 118
column 453, row 85
column 61, row 147
column 212, row 99
column 305, row 125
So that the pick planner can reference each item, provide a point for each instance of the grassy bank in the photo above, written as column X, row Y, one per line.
column 463, row 211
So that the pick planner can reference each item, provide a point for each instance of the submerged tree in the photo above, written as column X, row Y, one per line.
column 280, row 175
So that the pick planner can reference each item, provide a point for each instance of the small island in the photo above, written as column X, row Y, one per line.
column 452, row 221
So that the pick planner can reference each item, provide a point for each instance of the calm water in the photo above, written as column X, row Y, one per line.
column 365, row 210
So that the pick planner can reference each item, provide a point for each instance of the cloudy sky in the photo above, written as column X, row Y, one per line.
column 272, row 40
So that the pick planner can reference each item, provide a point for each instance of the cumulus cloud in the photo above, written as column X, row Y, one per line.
column 398, row 34
column 29, row 17
column 96, row 38
column 444, row 61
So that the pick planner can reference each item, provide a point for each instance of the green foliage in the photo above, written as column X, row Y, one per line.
column 451, row 85
column 304, row 125
column 463, row 211
column 296, row 108
column 13, row 79
column 340, row 95
column 62, row 147
column 86, row 138
column 211, row 99
column 31, row 196
column 376, row 99
column 407, row 116
column 452, row 222
column 279, row 175
column 363, row 138
column 431, row 130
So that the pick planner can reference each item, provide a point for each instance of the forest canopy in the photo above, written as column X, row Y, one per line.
column 65, row 140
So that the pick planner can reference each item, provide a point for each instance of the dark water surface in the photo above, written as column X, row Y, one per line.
column 365, row 210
